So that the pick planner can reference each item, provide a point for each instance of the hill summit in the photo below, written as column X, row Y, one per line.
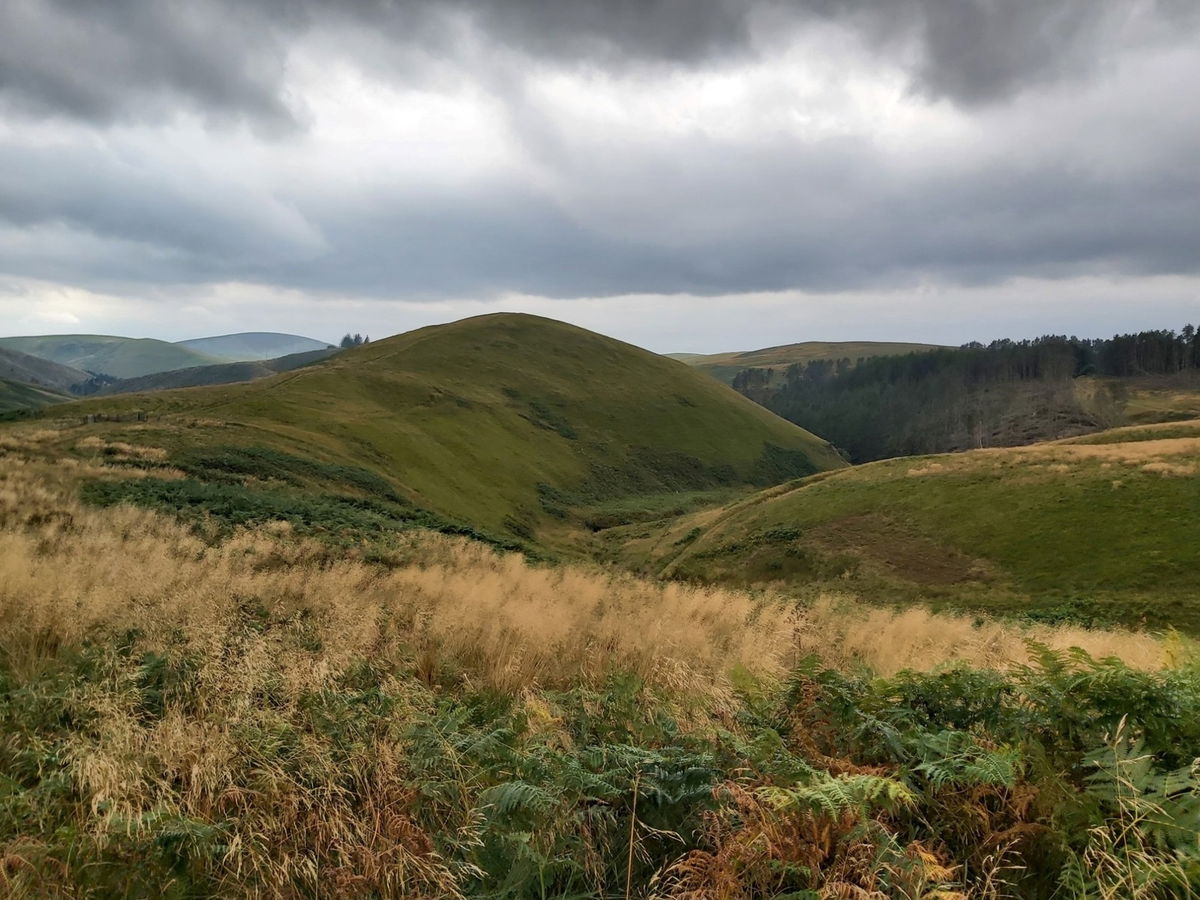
column 505, row 421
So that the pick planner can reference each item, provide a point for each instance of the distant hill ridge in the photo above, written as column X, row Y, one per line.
column 220, row 373
column 18, row 398
column 252, row 345
column 725, row 366
column 125, row 357
column 120, row 357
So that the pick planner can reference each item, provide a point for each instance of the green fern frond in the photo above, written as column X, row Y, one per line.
column 834, row 796
column 517, row 797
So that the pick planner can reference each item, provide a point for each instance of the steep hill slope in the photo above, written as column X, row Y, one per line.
column 120, row 357
column 19, row 396
column 1103, row 528
column 252, row 345
column 221, row 373
column 725, row 366
column 508, row 422
column 32, row 370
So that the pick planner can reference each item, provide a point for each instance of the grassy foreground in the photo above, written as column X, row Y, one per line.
column 202, row 710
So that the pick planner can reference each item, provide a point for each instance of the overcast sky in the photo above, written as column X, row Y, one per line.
column 685, row 174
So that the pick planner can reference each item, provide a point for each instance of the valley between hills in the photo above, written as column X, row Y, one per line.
column 508, row 608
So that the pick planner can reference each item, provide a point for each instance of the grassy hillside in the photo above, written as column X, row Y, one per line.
column 1152, row 398
column 18, row 396
column 221, row 373
column 252, row 345
column 259, row 713
column 724, row 366
column 120, row 357
column 17, row 366
column 1103, row 528
column 512, row 423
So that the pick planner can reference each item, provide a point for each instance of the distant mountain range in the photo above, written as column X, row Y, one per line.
column 41, row 370
column 252, row 345
column 124, row 357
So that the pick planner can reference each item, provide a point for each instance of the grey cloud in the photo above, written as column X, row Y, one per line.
column 825, row 217
column 688, row 215
column 980, row 51
column 143, row 59
column 968, row 51
column 140, row 59
column 120, row 197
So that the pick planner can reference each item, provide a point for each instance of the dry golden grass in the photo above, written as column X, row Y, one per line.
column 121, row 449
column 67, row 572
column 271, row 620
column 844, row 633
column 1174, row 470
column 1061, row 456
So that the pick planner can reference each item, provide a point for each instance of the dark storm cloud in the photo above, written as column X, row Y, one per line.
column 969, row 51
column 981, row 51
column 146, row 59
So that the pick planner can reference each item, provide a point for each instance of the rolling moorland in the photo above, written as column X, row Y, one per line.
column 124, row 357
column 29, row 382
column 726, row 366
column 504, row 608
column 1102, row 528
column 33, row 370
column 20, row 396
column 505, row 422
column 119, row 357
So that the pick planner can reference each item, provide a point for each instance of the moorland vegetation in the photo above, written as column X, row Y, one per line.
column 374, row 628
column 191, row 708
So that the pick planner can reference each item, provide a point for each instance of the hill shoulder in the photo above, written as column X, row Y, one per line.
column 1099, row 529
column 33, row 370
column 511, row 423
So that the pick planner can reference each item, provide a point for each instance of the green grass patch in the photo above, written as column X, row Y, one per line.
column 339, row 517
column 471, row 419
column 1086, row 541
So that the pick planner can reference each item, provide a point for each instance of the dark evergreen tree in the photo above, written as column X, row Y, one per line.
column 1006, row 392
